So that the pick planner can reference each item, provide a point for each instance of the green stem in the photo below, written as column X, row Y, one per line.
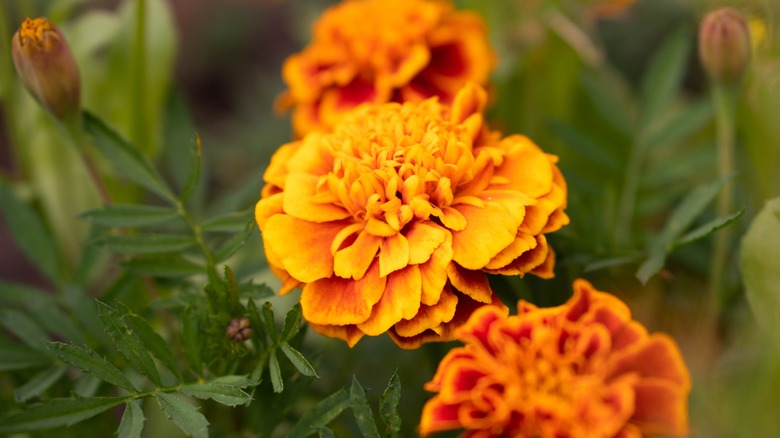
column 139, row 77
column 627, row 202
column 199, row 239
column 724, row 97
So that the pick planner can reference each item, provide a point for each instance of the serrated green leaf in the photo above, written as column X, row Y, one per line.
column 269, row 321
column 146, row 243
column 321, row 414
column 169, row 266
column 301, row 364
column 14, row 356
column 292, row 323
column 240, row 381
column 152, row 341
column 128, row 343
column 230, row 395
column 132, row 423
column 186, row 416
column 126, row 158
column 24, row 328
column 87, row 386
column 233, row 244
column 83, row 309
column 388, row 407
column 56, row 413
column 255, row 291
column 130, row 215
column 49, row 316
column 29, row 233
column 275, row 372
column 708, row 228
column 664, row 74
column 89, row 361
column 232, row 222
column 193, row 177
column 362, row 411
column 39, row 384
column 191, row 338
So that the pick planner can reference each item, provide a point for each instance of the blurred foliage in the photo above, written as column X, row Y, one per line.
column 173, row 257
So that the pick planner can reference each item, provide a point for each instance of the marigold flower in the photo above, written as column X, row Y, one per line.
column 381, row 51
column 391, row 220
column 46, row 66
column 582, row 369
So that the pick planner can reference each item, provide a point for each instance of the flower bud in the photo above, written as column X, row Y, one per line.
column 46, row 66
column 724, row 45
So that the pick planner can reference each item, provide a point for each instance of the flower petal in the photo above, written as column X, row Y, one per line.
column 354, row 260
column 424, row 238
column 393, row 254
column 348, row 333
column 299, row 190
column 434, row 273
column 438, row 416
column 400, row 300
column 661, row 407
column 472, row 283
column 429, row 316
column 488, row 231
column 339, row 301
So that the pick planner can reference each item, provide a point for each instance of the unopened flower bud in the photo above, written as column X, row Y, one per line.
column 239, row 330
column 46, row 66
column 724, row 45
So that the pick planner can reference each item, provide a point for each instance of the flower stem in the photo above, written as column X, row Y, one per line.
column 724, row 97
column 139, row 77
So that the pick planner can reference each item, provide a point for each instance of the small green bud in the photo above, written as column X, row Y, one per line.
column 46, row 66
column 724, row 45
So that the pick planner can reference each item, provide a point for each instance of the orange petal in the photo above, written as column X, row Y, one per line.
column 276, row 173
column 438, row 416
column 657, row 357
column 424, row 238
column 400, row 300
column 530, row 260
column 393, row 254
column 488, row 231
column 414, row 60
column 472, row 283
column 298, row 192
column 347, row 333
column 522, row 243
column 661, row 407
column 339, row 301
column 428, row 317
column 266, row 208
column 470, row 100
column 354, row 260
column 477, row 328
column 434, row 273
column 303, row 247
column 525, row 158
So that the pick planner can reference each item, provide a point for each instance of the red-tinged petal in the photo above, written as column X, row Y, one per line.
column 522, row 243
column 628, row 336
column 546, row 269
column 429, row 317
column 459, row 379
column 424, row 238
column 400, row 300
column 472, row 283
column 438, row 416
column 661, row 407
column 434, row 273
column 477, row 329
column 303, row 247
column 537, row 216
column 267, row 207
column 297, row 201
column 354, row 260
column 657, row 357
column 630, row 431
column 530, row 260
column 488, row 231
column 393, row 254
column 413, row 61
column 414, row 342
column 339, row 301
column 348, row 333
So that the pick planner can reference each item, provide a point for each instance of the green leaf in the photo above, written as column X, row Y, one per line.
column 321, row 414
column 87, row 385
column 270, row 324
column 83, row 309
column 613, row 106
column 324, row 432
column 152, row 341
column 292, row 323
column 708, row 228
column 388, row 407
column 230, row 395
column 760, row 263
column 232, row 222
column 612, row 262
column 584, row 146
column 89, row 361
column 39, row 384
column 133, row 419
column 681, row 126
column 276, row 372
column 29, row 233
column 15, row 293
column 14, row 356
column 664, row 74
column 186, row 416
column 191, row 338
column 125, row 157
column 56, row 413
column 147, row 243
column 55, row 321
column 194, row 174
column 234, row 243
column 168, row 266
column 130, row 215
column 297, row 359
column 128, row 343
column 362, row 411
column 24, row 328
column 255, row 291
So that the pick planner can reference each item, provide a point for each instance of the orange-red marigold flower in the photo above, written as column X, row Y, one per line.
column 391, row 220
column 380, row 51
column 582, row 369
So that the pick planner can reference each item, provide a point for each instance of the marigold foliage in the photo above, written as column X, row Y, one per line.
column 582, row 369
column 381, row 51
column 391, row 222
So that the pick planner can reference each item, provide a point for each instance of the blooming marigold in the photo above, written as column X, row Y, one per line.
column 380, row 51
column 582, row 369
column 391, row 220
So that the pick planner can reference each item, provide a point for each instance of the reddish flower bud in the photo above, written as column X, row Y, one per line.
column 46, row 66
column 724, row 45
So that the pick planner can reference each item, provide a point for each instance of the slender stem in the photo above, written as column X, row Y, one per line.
column 201, row 241
column 75, row 135
column 575, row 37
column 139, row 77
column 724, row 97
column 627, row 201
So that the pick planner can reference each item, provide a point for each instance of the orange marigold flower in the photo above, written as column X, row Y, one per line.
column 391, row 220
column 582, row 369
column 381, row 51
